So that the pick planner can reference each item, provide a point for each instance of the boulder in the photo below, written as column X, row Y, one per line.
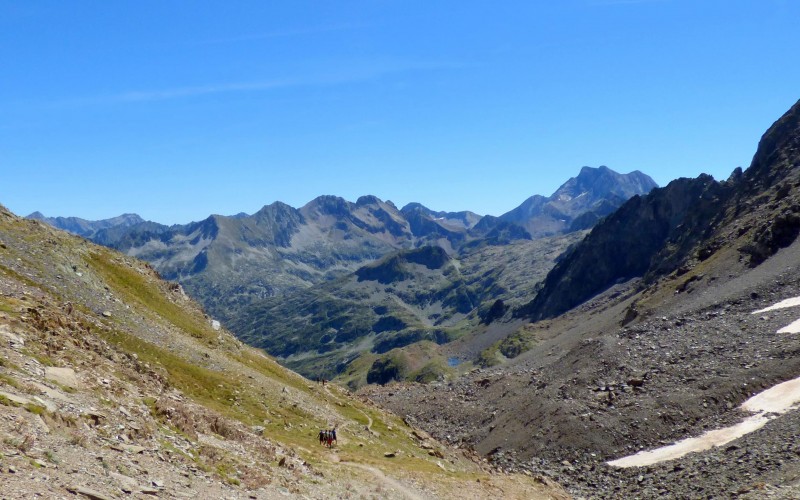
column 62, row 376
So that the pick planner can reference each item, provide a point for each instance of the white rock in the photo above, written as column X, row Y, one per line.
column 63, row 376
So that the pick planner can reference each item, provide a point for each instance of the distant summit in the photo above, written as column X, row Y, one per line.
column 450, row 220
column 87, row 228
column 580, row 202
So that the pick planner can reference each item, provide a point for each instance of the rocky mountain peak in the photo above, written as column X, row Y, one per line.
column 87, row 228
column 414, row 206
column 327, row 205
column 368, row 200
column 580, row 202
column 778, row 150
column 277, row 211
column 602, row 182
column 651, row 236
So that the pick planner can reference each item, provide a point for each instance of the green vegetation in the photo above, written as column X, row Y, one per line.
column 516, row 343
column 41, row 358
column 214, row 389
column 510, row 347
column 9, row 381
column 488, row 357
column 434, row 370
column 392, row 366
column 7, row 402
column 36, row 409
column 134, row 288
column 51, row 457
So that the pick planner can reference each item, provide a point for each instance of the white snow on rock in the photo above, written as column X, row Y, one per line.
column 707, row 441
column 764, row 406
column 793, row 327
column 793, row 302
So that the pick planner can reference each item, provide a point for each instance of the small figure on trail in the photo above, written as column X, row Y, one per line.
column 327, row 437
column 323, row 382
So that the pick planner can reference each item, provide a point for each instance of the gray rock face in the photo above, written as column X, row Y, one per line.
column 651, row 236
column 625, row 244
column 579, row 202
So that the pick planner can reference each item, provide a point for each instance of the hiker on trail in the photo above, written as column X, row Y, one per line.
column 321, row 437
column 333, row 435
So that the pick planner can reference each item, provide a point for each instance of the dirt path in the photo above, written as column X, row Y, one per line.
column 369, row 419
column 764, row 406
column 386, row 480
column 326, row 388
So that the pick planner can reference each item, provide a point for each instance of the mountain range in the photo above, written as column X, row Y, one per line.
column 594, row 358
column 330, row 281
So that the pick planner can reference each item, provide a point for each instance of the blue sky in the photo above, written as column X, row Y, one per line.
column 177, row 110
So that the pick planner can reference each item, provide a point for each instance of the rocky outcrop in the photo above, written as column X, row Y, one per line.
column 627, row 243
column 777, row 155
column 450, row 220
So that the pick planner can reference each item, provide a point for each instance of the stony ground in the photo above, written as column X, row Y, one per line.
column 594, row 390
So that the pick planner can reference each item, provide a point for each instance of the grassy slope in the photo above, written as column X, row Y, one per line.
column 137, row 323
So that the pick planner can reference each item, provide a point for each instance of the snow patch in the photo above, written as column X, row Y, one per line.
column 764, row 406
column 793, row 302
column 793, row 327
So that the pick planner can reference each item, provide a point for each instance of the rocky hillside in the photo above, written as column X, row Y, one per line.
column 679, row 225
column 666, row 347
column 580, row 202
column 114, row 383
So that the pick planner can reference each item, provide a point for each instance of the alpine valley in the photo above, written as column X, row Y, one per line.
column 334, row 288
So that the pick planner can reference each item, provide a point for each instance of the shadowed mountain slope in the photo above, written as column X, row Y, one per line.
column 651, row 236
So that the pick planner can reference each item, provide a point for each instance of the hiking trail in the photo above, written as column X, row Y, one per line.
column 386, row 480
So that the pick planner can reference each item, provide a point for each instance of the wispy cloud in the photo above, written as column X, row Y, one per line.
column 194, row 91
column 622, row 2
column 312, row 30
column 352, row 73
